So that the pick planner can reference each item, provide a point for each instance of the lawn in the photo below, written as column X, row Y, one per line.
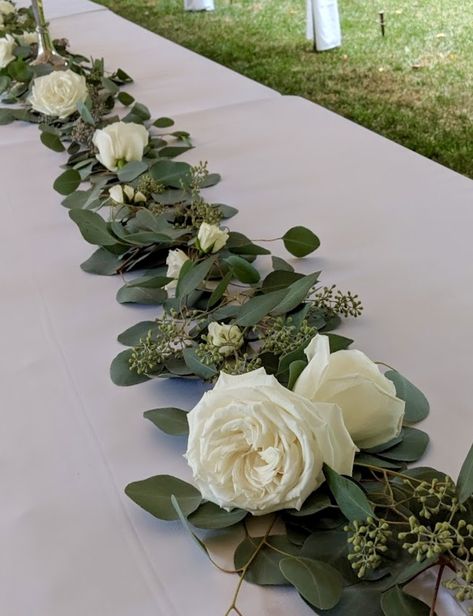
column 413, row 86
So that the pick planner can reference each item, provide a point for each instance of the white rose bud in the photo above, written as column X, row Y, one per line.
column 6, row 8
column 371, row 411
column 120, row 143
column 58, row 93
column 175, row 260
column 255, row 445
column 116, row 193
column 28, row 38
column 211, row 238
column 7, row 45
column 227, row 338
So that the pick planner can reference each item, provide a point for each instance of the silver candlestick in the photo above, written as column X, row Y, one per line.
column 47, row 54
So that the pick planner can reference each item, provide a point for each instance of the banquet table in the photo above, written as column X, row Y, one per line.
column 395, row 228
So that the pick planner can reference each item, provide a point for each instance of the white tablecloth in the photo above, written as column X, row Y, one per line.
column 394, row 227
column 61, row 8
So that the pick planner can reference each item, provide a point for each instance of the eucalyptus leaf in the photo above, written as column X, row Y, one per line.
column 219, row 290
column 163, row 123
column 281, row 264
column 192, row 276
column 121, row 373
column 264, row 568
column 465, row 479
column 295, row 294
column 300, row 241
column 242, row 245
column 141, row 295
column 315, row 502
column 135, row 333
column 295, row 370
column 52, row 141
column 102, row 262
column 279, row 279
column 395, row 602
column 319, row 583
column 258, row 307
column 125, row 98
column 242, row 270
column 92, row 227
column 338, row 343
column 411, row 448
column 154, row 495
column 173, row 151
column 6, row 116
column 417, row 405
column 132, row 170
column 211, row 516
column 171, row 173
column 170, row 420
column 349, row 496
column 85, row 113
column 67, row 182
column 197, row 367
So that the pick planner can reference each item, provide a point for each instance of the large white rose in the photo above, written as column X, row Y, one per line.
column 175, row 260
column 119, row 143
column 6, row 7
column 255, row 445
column 211, row 238
column 227, row 338
column 371, row 411
column 58, row 93
column 7, row 45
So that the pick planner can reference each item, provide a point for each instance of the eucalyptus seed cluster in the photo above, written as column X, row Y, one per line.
column 425, row 542
column 83, row 133
column 462, row 583
column 168, row 340
column 242, row 364
column 332, row 301
column 435, row 496
column 283, row 336
column 368, row 540
column 209, row 354
column 199, row 175
column 149, row 186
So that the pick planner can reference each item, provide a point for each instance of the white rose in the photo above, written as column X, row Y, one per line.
column 58, row 93
column 371, row 411
column 119, row 143
column 28, row 38
column 175, row 260
column 211, row 238
column 255, row 445
column 227, row 338
column 6, row 8
column 7, row 45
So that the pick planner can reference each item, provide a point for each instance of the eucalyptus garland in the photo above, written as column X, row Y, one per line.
column 298, row 429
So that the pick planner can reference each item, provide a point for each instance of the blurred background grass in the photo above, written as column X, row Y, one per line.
column 413, row 86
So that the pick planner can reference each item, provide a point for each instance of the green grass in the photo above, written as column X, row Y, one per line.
column 414, row 86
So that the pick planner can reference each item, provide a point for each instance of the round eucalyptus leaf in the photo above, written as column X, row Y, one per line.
column 319, row 583
column 300, row 241
column 154, row 495
column 102, row 262
column 52, row 141
column 411, row 448
column 417, row 405
column 67, row 182
column 120, row 371
column 135, row 333
column 140, row 295
column 170, row 420
column 163, row 122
